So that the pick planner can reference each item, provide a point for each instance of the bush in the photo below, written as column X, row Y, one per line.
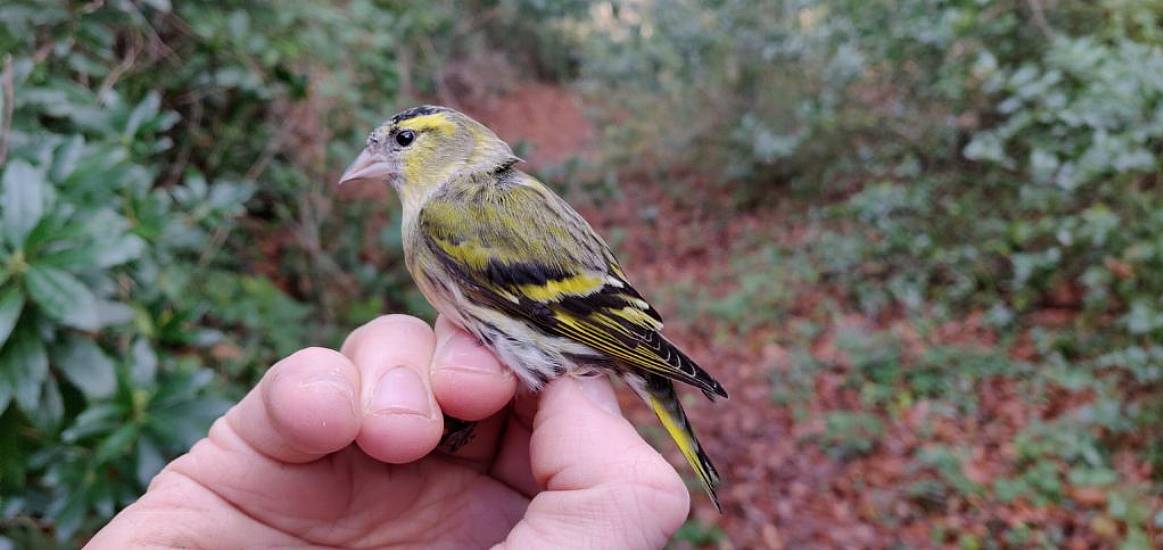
column 102, row 380
column 998, row 158
column 164, row 230
column 149, row 151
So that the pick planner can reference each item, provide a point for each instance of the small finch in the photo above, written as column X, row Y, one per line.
column 510, row 262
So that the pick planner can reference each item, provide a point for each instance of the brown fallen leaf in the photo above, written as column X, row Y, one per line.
column 1089, row 495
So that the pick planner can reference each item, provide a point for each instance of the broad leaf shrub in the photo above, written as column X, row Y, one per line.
column 96, row 264
column 165, row 232
column 103, row 323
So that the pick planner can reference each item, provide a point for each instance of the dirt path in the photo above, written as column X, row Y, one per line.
column 777, row 492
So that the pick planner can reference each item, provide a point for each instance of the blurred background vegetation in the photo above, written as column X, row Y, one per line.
column 931, row 254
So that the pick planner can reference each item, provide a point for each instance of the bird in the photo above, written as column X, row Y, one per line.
column 505, row 258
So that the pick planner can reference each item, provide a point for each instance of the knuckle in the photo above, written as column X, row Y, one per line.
column 388, row 326
column 660, row 492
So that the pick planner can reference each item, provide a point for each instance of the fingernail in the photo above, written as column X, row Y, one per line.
column 400, row 391
column 597, row 389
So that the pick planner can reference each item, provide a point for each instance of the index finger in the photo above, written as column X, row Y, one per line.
column 401, row 419
column 603, row 483
column 468, row 380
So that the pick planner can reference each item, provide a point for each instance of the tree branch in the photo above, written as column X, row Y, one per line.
column 8, row 88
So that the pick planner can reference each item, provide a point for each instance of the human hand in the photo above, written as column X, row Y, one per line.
column 561, row 469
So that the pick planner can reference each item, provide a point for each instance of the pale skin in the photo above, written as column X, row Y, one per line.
column 338, row 449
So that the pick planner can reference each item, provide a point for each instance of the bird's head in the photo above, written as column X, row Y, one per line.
column 420, row 148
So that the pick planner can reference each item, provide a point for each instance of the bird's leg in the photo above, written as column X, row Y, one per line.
column 457, row 434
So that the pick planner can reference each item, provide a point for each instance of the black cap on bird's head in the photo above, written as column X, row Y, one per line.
column 418, row 111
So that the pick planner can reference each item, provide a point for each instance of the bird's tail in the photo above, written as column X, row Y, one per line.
column 658, row 392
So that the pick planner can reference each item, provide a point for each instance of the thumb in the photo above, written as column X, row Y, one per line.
column 605, row 487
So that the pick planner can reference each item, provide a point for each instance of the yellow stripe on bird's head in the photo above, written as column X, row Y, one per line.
column 436, row 122
column 419, row 149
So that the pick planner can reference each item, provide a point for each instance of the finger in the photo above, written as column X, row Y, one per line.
column 305, row 407
column 401, row 419
column 603, row 483
column 469, row 382
column 511, row 465
column 265, row 457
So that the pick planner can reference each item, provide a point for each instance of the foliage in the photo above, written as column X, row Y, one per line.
column 993, row 159
column 1061, row 212
column 162, row 222
column 700, row 534
column 97, row 262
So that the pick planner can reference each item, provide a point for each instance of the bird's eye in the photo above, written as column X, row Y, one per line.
column 405, row 138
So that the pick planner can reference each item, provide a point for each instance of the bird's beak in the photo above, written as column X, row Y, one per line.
column 366, row 167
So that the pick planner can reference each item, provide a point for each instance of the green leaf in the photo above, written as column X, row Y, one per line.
column 160, row 5
column 11, row 304
column 1136, row 539
column 112, row 253
column 62, row 297
column 101, row 241
column 181, row 411
column 50, row 408
column 24, row 197
column 98, row 418
column 13, row 456
column 5, row 394
column 86, row 367
column 143, row 370
column 147, row 109
column 113, row 313
column 66, row 158
column 24, row 366
column 117, row 444
column 72, row 513
column 149, row 460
